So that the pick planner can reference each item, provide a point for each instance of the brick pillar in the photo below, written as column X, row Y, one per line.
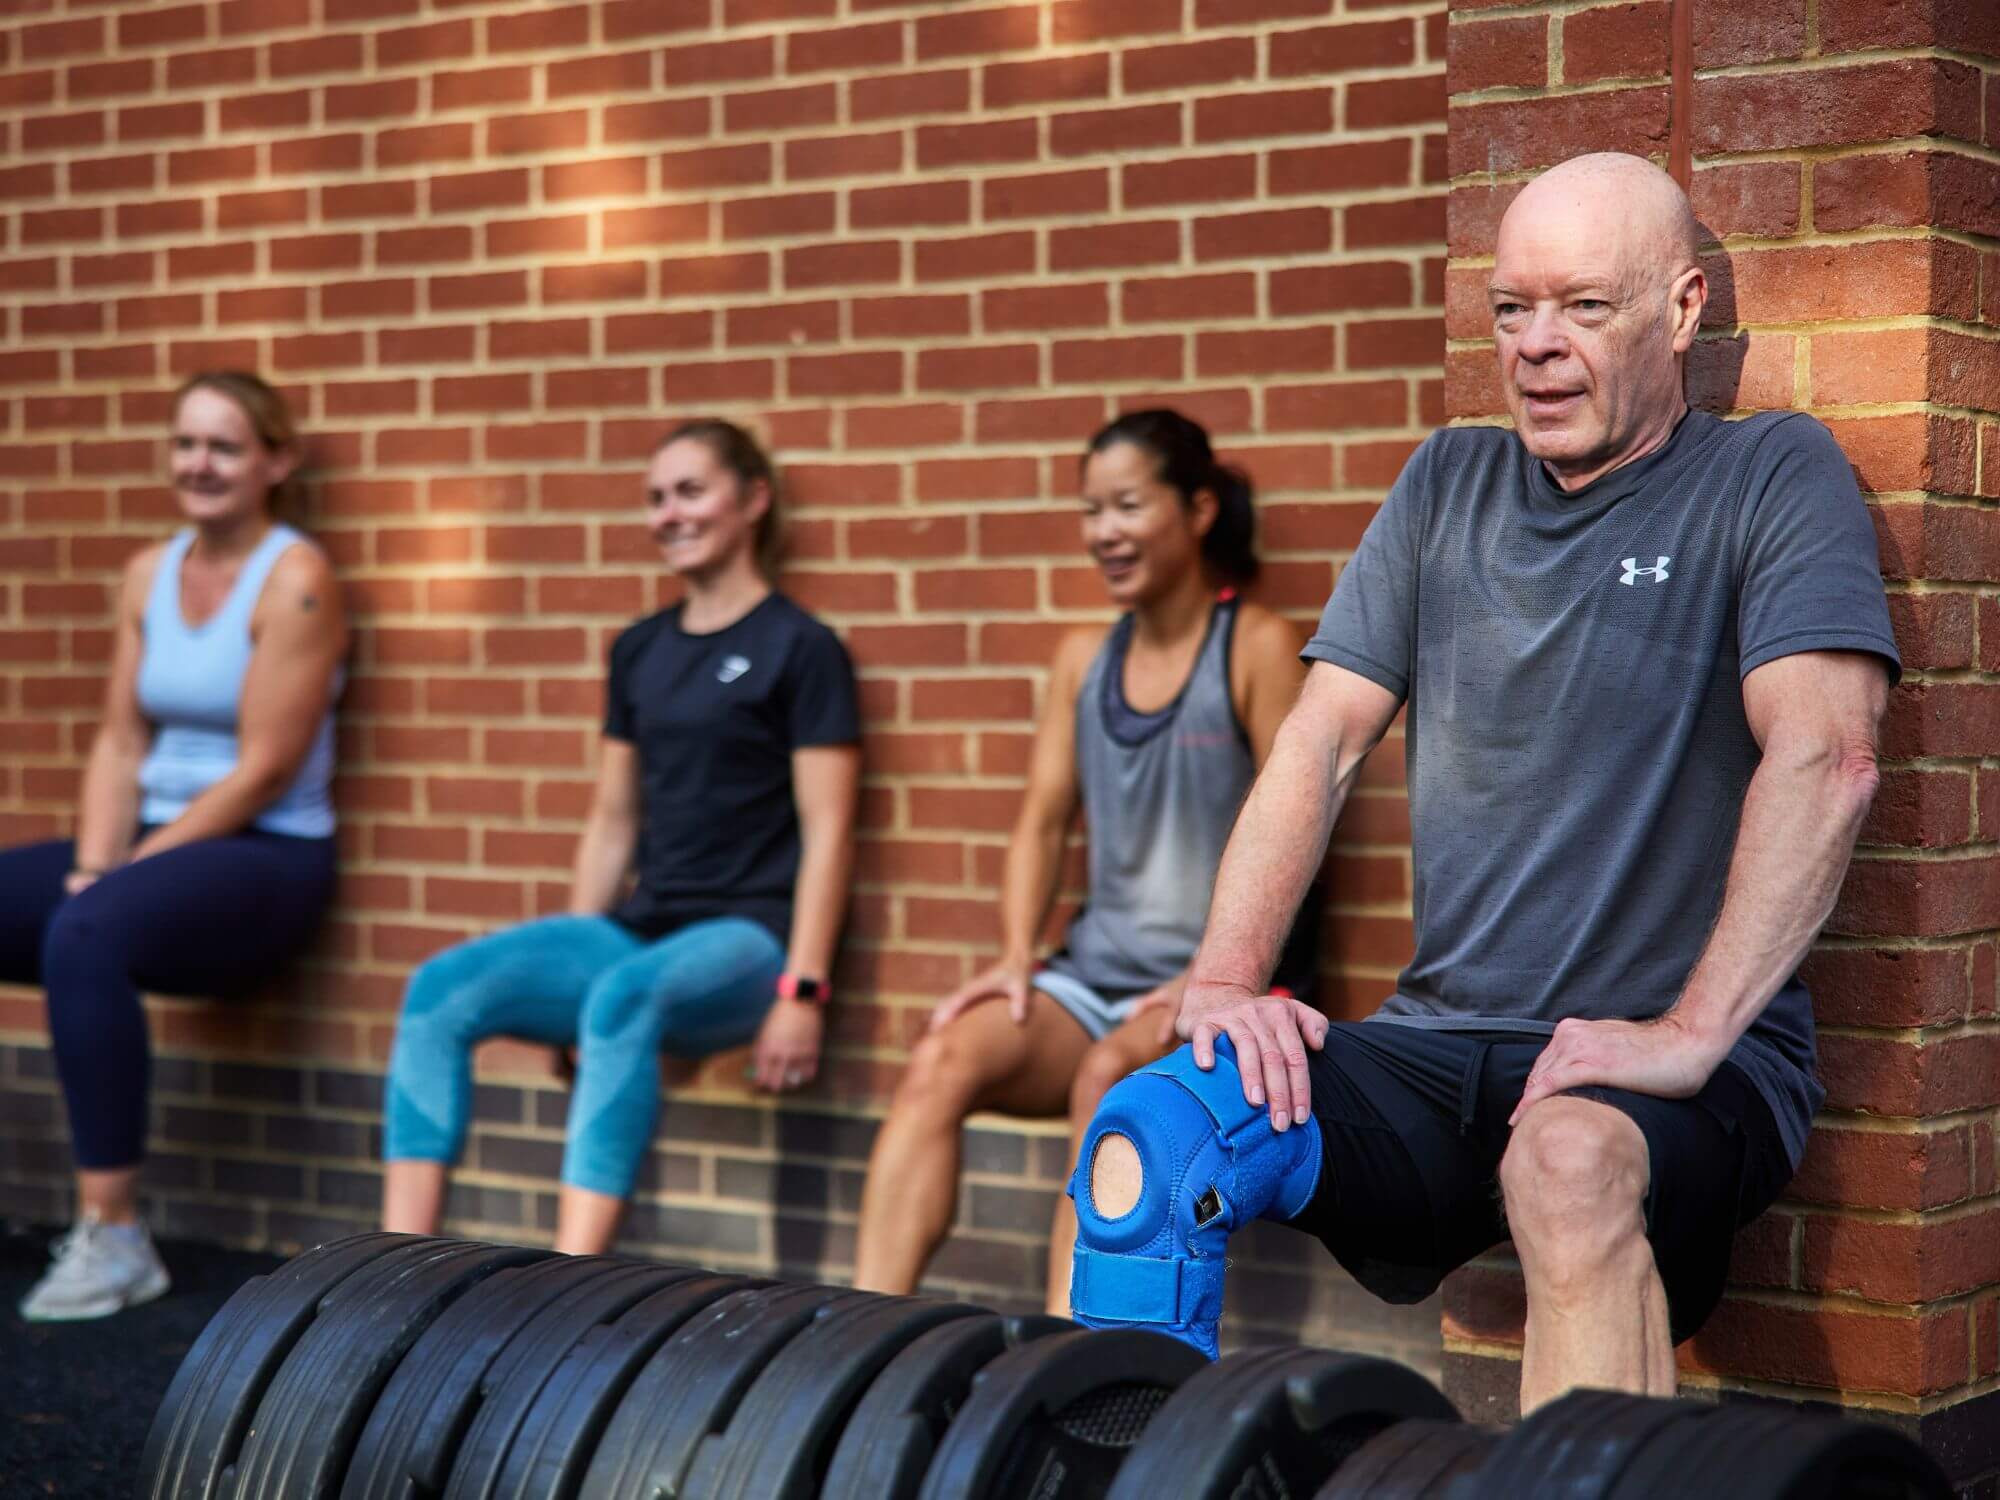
column 1856, row 274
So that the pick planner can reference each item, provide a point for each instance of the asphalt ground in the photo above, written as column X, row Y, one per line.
column 77, row 1399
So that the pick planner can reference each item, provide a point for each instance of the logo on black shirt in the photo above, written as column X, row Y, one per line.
column 734, row 667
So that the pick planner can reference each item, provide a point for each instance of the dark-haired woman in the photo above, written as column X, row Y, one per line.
column 1156, row 725
column 728, row 773
column 204, row 856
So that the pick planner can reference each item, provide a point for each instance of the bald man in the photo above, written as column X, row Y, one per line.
column 1644, row 652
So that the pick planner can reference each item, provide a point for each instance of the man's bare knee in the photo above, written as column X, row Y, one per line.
column 1574, row 1175
column 1116, row 1176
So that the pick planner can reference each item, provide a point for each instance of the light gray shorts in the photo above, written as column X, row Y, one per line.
column 1095, row 1014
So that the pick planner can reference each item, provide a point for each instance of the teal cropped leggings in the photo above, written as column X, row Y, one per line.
column 582, row 982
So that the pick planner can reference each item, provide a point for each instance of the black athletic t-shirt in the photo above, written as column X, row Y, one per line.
column 715, row 719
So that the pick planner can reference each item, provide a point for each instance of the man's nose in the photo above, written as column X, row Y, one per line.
column 1543, row 337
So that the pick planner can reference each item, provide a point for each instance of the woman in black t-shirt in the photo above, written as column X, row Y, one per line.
column 728, row 776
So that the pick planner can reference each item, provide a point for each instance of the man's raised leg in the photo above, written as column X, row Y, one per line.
column 1174, row 1162
column 1574, row 1182
column 1131, row 1045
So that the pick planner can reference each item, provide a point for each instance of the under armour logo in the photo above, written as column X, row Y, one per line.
column 1633, row 572
column 732, row 668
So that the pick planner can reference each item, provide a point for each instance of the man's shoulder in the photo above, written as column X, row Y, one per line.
column 1473, row 437
column 1775, row 454
column 1774, row 434
column 1450, row 456
column 1767, row 436
column 1453, row 445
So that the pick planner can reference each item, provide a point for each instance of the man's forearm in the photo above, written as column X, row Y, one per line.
column 1275, row 850
column 1792, row 848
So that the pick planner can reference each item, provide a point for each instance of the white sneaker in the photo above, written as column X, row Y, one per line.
column 97, row 1270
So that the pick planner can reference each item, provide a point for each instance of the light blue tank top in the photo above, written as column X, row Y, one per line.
column 190, row 683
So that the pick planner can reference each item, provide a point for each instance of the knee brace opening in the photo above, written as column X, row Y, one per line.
column 1117, row 1177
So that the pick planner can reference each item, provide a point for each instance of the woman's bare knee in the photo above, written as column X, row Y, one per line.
column 1102, row 1066
column 943, row 1077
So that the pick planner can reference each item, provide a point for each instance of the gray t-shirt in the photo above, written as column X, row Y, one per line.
column 1576, row 738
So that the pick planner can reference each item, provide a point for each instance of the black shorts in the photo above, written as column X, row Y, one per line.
column 1414, row 1122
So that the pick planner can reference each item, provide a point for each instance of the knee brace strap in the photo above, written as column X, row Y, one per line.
column 1209, row 1163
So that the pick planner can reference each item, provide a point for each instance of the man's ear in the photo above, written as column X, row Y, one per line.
column 1689, row 296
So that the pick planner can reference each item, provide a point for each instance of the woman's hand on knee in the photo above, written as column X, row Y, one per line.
column 1165, row 1002
column 786, row 1054
column 1012, row 980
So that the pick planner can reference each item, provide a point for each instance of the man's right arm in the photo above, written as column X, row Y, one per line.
column 1276, row 848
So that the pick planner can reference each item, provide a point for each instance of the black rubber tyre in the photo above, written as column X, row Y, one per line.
column 1272, row 1423
column 201, row 1423
column 172, row 1464
column 1056, row 1419
column 691, row 1386
column 412, row 1436
column 1769, row 1451
column 557, row 1439
column 304, row 1432
column 1411, row 1461
column 779, row 1440
column 1575, row 1448
column 894, row 1429
column 514, row 1382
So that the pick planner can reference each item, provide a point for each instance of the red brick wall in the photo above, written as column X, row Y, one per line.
column 491, row 250
column 1843, row 155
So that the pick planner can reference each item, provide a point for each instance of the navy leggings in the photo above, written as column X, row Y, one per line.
column 213, row 918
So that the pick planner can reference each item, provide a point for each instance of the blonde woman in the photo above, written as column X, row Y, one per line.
column 204, row 855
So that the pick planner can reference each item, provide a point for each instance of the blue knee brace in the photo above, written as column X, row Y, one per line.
column 1210, row 1163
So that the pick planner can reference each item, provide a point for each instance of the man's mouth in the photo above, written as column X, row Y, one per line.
column 1546, row 405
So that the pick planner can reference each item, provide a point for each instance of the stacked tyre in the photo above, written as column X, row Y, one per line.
column 386, row 1367
column 1595, row 1445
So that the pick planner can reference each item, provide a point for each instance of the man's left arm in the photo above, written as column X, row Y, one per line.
column 1814, row 715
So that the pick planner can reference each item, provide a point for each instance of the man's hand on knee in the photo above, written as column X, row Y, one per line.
column 1173, row 1162
column 1270, row 1034
column 1663, row 1057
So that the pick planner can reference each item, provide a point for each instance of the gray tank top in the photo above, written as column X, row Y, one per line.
column 1160, row 794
